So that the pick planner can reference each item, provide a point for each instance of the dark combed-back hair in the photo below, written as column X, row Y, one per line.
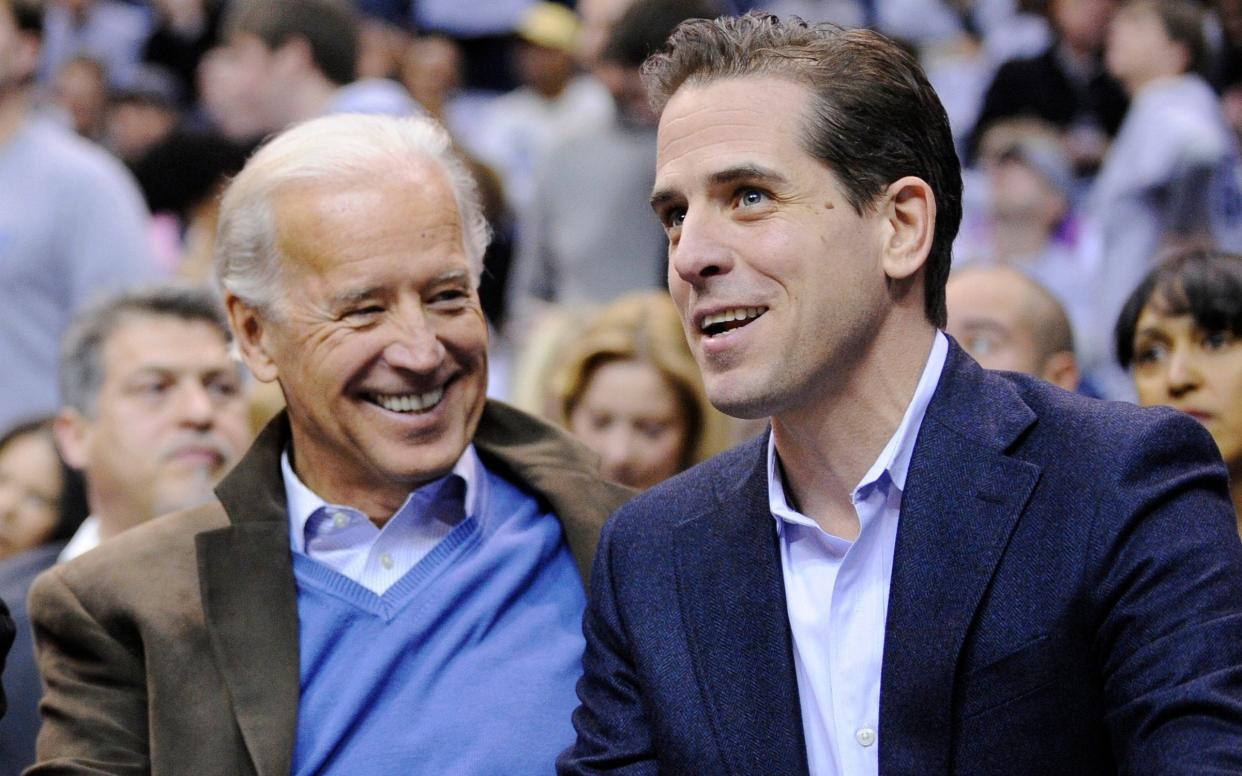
column 873, row 117
column 329, row 27
column 1206, row 285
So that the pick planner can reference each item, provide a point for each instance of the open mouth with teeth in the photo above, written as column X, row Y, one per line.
column 727, row 320
column 407, row 402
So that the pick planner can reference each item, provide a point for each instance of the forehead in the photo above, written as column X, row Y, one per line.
column 145, row 341
column 1156, row 318
column 998, row 297
column 726, row 122
column 403, row 219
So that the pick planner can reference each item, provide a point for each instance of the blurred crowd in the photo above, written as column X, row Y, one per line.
column 1103, row 205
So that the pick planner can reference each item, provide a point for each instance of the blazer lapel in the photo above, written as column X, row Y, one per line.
column 249, row 599
column 962, row 500
column 732, row 599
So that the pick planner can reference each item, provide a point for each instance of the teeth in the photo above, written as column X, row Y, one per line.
column 412, row 402
column 735, row 314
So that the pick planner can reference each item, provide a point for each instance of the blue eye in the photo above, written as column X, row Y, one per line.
column 751, row 197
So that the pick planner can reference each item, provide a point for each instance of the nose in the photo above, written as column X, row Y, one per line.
column 696, row 251
column 617, row 453
column 196, row 407
column 1184, row 374
column 414, row 345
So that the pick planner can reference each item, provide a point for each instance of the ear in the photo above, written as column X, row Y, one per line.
column 253, row 336
column 72, row 432
column 1061, row 369
column 910, row 210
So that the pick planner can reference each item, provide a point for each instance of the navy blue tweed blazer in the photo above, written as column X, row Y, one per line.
column 1066, row 599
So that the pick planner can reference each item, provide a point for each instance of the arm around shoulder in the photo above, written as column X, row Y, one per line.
column 94, row 707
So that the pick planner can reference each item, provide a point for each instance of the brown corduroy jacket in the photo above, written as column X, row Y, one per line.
column 173, row 648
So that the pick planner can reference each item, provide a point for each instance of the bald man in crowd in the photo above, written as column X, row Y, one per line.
column 1008, row 321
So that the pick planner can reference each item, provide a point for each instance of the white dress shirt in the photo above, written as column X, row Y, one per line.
column 837, row 596
column 84, row 539
column 345, row 539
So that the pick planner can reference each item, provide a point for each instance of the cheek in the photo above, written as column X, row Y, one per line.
column 1151, row 389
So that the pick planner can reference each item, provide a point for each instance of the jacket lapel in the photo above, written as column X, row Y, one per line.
column 962, row 500
column 249, row 601
column 732, row 598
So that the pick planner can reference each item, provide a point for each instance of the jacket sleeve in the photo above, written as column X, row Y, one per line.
column 614, row 735
column 1167, row 605
column 94, row 707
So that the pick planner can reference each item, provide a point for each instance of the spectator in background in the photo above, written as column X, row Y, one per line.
column 110, row 31
column 185, row 30
column 588, row 235
column 553, row 103
column 431, row 70
column 42, row 502
column 1067, row 86
column 143, row 113
column 182, row 177
column 154, row 407
column 1171, row 178
column 630, row 390
column 1180, row 335
column 1008, row 321
column 72, row 224
column 80, row 90
column 1019, row 212
column 286, row 61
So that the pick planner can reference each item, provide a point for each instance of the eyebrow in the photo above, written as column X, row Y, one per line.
column 740, row 173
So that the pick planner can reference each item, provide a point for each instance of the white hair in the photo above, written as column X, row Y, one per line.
column 349, row 148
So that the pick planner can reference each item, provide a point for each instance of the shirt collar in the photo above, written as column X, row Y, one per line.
column 894, row 459
column 302, row 502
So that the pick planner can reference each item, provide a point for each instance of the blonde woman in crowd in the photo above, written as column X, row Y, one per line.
column 630, row 390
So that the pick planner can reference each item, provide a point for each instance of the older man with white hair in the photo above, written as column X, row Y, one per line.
column 391, row 579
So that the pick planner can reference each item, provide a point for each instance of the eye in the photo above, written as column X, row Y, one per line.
column 981, row 345
column 450, row 299
column 672, row 217
column 1147, row 353
column 364, row 312
column 652, row 429
column 223, row 388
column 1217, row 340
column 750, row 197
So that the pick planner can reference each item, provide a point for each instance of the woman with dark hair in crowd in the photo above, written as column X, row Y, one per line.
column 1180, row 335
column 630, row 390
column 42, row 500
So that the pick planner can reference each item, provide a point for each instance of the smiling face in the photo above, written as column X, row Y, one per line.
column 778, row 279
column 631, row 417
column 379, row 342
column 1178, row 364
